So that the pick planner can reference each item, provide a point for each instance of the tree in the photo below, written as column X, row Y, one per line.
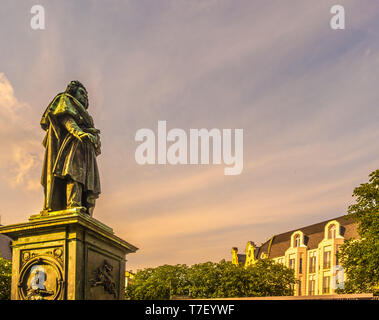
column 5, row 279
column 268, row 278
column 212, row 280
column 226, row 280
column 204, row 279
column 158, row 283
column 360, row 257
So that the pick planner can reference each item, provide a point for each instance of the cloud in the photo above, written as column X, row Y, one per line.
column 304, row 94
column 21, row 157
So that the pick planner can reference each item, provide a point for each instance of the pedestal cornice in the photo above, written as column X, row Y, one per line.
column 63, row 218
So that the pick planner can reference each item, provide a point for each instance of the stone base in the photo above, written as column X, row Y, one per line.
column 66, row 255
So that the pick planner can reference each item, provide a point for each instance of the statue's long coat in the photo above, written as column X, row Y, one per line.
column 66, row 157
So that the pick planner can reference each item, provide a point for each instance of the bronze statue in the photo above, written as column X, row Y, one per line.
column 70, row 175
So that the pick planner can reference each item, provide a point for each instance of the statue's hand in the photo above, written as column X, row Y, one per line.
column 88, row 137
column 92, row 130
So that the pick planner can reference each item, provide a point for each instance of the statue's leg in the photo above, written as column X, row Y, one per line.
column 55, row 198
column 74, row 194
column 48, row 202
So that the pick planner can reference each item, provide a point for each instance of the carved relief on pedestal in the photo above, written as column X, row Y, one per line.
column 41, row 278
column 56, row 253
column 103, row 277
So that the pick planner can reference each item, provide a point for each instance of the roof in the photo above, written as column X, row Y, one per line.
column 313, row 236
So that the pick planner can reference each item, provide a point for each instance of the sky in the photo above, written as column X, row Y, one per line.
column 305, row 95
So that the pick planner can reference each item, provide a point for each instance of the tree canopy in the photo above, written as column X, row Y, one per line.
column 5, row 279
column 212, row 280
column 360, row 257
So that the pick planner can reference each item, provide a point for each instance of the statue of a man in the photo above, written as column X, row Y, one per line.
column 70, row 176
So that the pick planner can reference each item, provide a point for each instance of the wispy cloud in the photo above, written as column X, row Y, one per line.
column 21, row 150
column 304, row 94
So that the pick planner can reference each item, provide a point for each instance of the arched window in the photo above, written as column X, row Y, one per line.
column 297, row 240
column 332, row 231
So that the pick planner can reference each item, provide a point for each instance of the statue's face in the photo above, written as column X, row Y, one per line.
column 81, row 95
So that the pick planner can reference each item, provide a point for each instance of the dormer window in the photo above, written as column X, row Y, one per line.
column 297, row 240
column 332, row 231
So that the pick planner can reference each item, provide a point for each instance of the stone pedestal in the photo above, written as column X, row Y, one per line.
column 66, row 255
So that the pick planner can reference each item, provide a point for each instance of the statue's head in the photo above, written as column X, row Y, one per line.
column 77, row 90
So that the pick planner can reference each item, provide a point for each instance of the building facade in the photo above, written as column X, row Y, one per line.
column 5, row 247
column 129, row 276
column 310, row 251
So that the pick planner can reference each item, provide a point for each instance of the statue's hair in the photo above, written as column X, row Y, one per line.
column 73, row 86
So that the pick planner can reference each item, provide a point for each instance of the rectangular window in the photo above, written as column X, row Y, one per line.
column 327, row 255
column 312, row 264
column 301, row 265
column 299, row 288
column 312, row 286
column 292, row 264
column 326, row 284
column 297, row 241
column 332, row 232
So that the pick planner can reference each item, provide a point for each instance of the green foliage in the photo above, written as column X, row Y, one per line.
column 360, row 258
column 158, row 283
column 212, row 280
column 270, row 279
column 5, row 279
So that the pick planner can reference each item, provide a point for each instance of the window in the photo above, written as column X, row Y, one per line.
column 297, row 240
column 312, row 262
column 332, row 231
column 292, row 264
column 327, row 259
column 326, row 284
column 299, row 288
column 312, row 286
column 301, row 265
